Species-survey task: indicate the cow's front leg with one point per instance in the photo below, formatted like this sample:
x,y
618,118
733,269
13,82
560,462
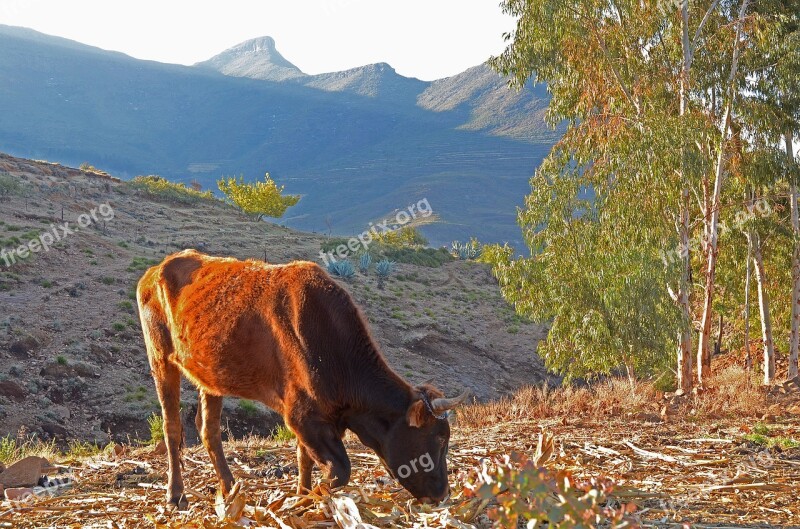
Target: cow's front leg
x,y
304,467
322,444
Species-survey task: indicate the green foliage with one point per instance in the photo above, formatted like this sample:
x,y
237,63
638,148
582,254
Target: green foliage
x,y
248,407
784,443
260,199
161,188
61,360
603,295
156,424
140,264
343,269
523,493
407,237
9,186
80,449
282,434
8,448
12,449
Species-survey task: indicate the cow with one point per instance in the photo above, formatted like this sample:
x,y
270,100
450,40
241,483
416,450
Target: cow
x,y
291,337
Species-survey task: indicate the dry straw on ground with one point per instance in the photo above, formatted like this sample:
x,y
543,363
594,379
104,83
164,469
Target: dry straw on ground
x,y
694,464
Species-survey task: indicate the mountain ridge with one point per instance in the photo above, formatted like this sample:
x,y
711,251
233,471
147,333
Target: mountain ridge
x,y
353,157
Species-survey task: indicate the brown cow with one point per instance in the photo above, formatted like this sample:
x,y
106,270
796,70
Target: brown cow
x,y
290,337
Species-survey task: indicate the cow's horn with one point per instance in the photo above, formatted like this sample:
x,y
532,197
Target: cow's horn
x,y
440,405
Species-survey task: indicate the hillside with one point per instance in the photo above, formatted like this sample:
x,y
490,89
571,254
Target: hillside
x,y
72,359
355,144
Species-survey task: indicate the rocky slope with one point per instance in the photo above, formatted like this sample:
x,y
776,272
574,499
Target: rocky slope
x,y
72,360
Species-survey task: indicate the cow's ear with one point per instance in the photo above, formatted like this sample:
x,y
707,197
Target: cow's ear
x,y
416,414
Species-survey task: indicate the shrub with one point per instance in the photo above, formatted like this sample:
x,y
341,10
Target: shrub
x,y
282,434
12,449
156,424
139,264
525,494
343,269
260,199
248,407
160,187
9,185
407,237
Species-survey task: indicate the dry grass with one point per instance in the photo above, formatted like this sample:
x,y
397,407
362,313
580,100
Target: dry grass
x,y
733,392
610,397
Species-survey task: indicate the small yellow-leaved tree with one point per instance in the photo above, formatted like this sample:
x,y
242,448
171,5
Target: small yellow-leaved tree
x,y
260,199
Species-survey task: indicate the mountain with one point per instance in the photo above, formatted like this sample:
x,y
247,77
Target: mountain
x,y
374,80
357,145
256,59
491,106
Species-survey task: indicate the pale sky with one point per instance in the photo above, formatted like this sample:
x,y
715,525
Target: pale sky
x,y
428,39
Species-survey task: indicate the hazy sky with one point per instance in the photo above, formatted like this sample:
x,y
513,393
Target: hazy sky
x,y
428,39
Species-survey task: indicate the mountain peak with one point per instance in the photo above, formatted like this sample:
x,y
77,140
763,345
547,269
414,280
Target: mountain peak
x,y
255,58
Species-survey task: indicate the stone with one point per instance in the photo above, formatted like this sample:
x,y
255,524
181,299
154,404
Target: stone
x,y
160,449
18,493
23,473
23,347
11,389
648,417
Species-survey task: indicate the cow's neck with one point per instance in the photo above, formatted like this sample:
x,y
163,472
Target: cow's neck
x,y
373,415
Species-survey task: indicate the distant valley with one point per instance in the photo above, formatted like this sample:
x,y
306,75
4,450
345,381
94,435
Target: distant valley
x,y
357,144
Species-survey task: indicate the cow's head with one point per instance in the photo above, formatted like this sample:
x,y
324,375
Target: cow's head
x,y
415,451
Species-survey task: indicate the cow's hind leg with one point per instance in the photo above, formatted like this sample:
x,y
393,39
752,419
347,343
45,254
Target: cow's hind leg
x,y
209,411
168,385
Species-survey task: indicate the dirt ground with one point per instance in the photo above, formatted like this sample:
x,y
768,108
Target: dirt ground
x,y
676,473
72,359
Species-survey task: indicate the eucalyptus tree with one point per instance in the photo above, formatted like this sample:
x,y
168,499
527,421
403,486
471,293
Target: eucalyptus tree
x,y
651,94
772,116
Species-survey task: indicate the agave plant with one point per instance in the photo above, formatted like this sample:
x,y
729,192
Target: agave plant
x,y
466,251
383,269
343,269
364,262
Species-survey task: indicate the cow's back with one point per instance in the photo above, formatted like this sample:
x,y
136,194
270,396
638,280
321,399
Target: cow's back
x,y
248,329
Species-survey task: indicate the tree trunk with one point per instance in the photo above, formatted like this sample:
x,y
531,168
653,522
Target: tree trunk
x,y
763,306
794,339
685,334
703,352
749,358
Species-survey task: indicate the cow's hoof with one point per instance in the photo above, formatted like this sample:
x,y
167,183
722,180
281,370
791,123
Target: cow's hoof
x,y
179,503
